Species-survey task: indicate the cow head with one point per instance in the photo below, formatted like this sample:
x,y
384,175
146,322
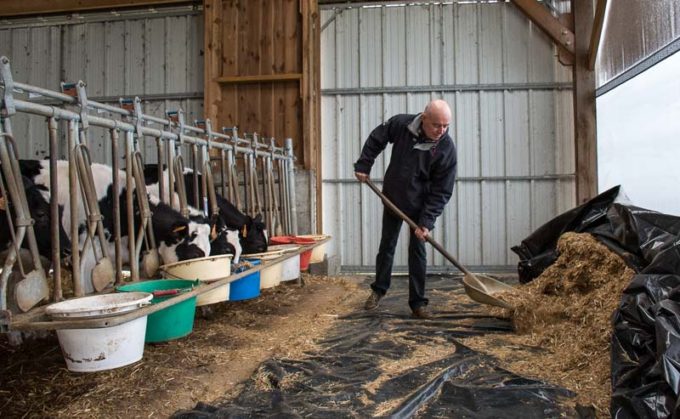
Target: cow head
x,y
224,241
178,237
253,235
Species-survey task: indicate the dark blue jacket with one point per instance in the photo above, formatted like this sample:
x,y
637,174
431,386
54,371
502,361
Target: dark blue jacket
x,y
421,174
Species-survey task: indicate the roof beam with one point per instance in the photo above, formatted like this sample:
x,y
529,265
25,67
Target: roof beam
x,y
596,34
542,17
42,7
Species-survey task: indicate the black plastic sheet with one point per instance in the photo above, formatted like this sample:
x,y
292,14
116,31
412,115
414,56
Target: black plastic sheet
x,y
646,339
332,381
638,235
646,349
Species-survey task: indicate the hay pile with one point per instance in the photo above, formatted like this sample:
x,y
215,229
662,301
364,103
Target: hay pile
x,y
565,315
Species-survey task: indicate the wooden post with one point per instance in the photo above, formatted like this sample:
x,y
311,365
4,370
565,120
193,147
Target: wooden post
x,y
213,59
310,92
585,120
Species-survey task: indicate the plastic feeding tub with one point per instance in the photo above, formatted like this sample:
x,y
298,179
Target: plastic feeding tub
x,y
99,349
247,287
207,270
319,252
304,256
290,267
172,322
270,275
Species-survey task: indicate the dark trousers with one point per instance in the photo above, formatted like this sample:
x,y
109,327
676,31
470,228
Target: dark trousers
x,y
417,263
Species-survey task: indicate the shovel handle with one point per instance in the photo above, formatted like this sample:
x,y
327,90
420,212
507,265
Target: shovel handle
x,y
414,226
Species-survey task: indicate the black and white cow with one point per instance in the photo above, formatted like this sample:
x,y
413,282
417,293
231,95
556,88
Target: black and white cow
x,y
178,238
39,209
252,232
225,240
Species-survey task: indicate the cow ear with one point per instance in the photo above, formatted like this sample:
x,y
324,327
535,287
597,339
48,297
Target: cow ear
x,y
258,218
180,229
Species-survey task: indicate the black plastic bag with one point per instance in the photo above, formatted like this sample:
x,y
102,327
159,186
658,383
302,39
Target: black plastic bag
x,y
646,349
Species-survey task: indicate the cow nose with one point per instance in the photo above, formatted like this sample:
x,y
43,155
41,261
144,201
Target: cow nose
x,y
195,253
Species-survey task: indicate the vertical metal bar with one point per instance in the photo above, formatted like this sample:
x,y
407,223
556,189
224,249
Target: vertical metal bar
x,y
170,158
194,178
291,184
159,159
78,286
134,263
116,205
55,222
223,180
282,197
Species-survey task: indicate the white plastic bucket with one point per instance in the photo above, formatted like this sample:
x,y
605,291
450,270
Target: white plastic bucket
x,y
207,269
319,252
290,268
100,349
270,275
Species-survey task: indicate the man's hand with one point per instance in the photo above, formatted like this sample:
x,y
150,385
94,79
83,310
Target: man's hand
x,y
363,177
422,233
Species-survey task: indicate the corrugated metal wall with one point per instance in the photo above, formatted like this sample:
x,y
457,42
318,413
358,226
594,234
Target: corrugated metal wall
x,y
513,123
157,55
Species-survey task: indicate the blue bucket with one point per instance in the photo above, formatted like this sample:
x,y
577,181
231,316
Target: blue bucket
x,y
247,287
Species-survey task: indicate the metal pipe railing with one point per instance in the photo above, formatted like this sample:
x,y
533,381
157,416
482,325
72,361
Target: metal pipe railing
x,y
170,135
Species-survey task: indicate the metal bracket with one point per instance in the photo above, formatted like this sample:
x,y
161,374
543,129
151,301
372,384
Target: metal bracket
x,y
82,101
8,108
139,118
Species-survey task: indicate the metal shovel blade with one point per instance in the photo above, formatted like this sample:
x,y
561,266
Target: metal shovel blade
x,y
102,274
30,291
150,263
482,288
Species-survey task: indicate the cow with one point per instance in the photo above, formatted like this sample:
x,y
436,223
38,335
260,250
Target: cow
x,y
252,232
178,238
39,209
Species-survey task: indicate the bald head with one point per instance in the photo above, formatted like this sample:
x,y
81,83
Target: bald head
x,y
436,119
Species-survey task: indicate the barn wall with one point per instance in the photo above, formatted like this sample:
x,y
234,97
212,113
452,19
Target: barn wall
x,y
155,55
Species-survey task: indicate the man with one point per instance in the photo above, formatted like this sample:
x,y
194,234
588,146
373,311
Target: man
x,y
419,181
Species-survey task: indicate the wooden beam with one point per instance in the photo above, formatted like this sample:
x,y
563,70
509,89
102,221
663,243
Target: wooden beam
x,y
585,130
41,7
260,78
542,17
311,98
212,62
596,35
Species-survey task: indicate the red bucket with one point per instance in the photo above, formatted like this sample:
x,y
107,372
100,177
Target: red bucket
x,y
304,256
281,240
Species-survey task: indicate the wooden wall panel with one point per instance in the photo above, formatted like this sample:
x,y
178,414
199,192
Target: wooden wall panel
x,y
263,72
262,38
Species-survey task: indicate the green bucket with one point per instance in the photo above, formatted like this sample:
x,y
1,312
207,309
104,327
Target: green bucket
x,y
172,322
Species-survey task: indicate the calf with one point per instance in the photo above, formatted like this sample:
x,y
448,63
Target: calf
x,y
252,233
178,238
39,208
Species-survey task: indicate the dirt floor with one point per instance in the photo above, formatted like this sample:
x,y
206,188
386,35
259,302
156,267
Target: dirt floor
x,y
215,360
210,363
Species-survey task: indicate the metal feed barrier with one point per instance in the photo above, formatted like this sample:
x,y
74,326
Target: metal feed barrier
x,y
269,192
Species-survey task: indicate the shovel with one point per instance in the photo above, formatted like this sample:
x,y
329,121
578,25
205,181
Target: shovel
x,y
480,288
